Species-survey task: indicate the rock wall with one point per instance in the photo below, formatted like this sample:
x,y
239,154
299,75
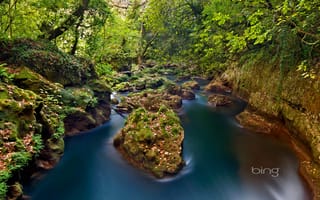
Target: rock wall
x,y
45,94
291,98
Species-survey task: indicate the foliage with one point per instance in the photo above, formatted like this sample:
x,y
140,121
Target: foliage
x,y
284,26
207,32
306,71
38,143
4,176
104,69
70,23
19,159
169,25
115,43
60,128
5,76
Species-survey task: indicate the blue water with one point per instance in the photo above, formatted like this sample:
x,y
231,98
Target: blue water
x,y
219,155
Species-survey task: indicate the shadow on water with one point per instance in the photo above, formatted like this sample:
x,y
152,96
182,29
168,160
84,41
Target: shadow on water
x,y
219,155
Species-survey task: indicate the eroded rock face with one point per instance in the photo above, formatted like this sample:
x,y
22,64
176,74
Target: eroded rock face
x,y
297,105
152,141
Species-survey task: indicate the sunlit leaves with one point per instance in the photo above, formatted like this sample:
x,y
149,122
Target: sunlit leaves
x,y
19,19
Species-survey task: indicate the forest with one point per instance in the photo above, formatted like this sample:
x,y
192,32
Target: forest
x,y
69,66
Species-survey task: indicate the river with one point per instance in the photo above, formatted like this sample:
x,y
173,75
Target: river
x,y
223,162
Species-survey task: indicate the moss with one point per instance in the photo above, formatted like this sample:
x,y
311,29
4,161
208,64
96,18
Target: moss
x,y
34,105
194,85
79,97
56,144
99,85
27,79
151,100
123,87
152,141
296,104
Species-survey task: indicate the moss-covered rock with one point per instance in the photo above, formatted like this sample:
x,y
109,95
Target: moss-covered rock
x,y
154,83
43,92
47,60
218,86
194,85
219,100
184,93
27,79
16,191
124,87
152,141
19,131
150,100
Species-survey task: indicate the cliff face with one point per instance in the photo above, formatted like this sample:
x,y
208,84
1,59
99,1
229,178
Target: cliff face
x,y
289,98
294,100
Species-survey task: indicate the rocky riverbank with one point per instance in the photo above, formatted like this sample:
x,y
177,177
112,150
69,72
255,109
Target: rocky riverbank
x,y
288,98
45,94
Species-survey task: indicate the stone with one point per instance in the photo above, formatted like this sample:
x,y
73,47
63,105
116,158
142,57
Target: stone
x,y
150,100
188,94
219,100
152,141
194,85
217,86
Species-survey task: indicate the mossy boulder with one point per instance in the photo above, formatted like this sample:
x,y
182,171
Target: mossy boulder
x,y
16,191
184,93
219,100
47,60
152,141
150,100
51,154
154,83
140,84
124,87
82,97
194,85
218,86
27,79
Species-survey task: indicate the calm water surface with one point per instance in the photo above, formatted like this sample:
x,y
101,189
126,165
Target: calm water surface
x,y
224,162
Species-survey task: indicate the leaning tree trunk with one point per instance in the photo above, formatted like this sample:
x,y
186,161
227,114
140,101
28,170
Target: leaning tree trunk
x,y
70,21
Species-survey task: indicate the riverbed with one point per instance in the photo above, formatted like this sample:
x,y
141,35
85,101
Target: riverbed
x,y
223,162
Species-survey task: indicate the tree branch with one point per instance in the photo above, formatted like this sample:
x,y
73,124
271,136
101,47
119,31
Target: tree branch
x,y
71,20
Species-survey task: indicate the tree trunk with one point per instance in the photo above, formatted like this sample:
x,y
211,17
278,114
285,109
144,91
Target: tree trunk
x,y
71,20
76,37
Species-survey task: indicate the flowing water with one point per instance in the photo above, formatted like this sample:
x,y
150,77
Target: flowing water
x,y
224,162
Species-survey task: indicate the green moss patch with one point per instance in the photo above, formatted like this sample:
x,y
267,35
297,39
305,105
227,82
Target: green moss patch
x,y
152,141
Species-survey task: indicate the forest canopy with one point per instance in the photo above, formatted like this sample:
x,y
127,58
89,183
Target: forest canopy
x,y
208,33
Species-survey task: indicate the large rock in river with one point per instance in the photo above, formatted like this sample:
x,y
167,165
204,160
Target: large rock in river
x,y
152,141
150,100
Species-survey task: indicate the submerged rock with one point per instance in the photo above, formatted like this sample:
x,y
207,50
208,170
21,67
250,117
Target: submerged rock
x,y
152,141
